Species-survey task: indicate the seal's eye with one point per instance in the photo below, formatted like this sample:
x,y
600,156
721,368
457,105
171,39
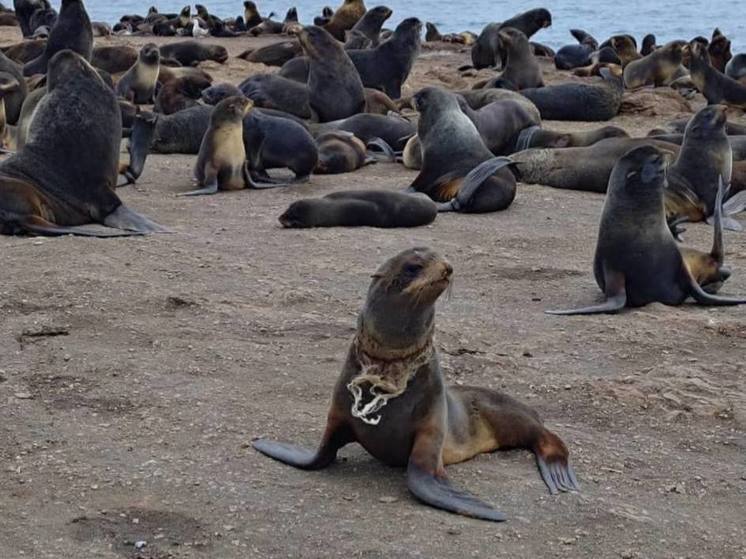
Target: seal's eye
x,y
412,270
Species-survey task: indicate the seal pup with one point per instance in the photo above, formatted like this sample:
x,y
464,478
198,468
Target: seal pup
x,y
71,31
181,93
47,188
391,398
715,86
625,48
361,208
719,50
637,260
340,152
658,68
137,85
221,163
334,87
345,17
458,170
392,129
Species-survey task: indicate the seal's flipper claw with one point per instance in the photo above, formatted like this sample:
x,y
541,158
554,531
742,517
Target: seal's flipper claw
x,y
438,493
546,475
557,475
129,220
611,305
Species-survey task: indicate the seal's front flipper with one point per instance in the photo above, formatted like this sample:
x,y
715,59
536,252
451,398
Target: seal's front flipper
x,y
129,220
211,188
336,436
616,298
438,493
380,150
39,226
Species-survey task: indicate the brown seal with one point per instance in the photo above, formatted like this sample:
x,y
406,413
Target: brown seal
x,y
715,86
48,188
179,94
221,163
361,208
719,50
458,170
392,399
637,260
340,152
658,68
625,49
345,17
137,85
114,59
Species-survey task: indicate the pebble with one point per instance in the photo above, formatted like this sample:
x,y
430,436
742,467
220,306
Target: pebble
x,y
388,499
23,395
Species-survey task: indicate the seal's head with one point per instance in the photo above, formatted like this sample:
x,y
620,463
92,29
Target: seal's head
x,y
399,310
639,177
510,37
410,28
231,110
708,122
380,13
150,55
541,17
298,215
317,42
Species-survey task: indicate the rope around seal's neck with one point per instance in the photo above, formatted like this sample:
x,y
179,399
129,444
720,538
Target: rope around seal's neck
x,y
387,378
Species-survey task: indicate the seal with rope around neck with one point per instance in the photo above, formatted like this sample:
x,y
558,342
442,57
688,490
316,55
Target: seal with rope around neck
x,y
391,398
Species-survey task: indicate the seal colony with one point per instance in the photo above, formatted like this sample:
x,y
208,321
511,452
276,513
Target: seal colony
x,y
342,99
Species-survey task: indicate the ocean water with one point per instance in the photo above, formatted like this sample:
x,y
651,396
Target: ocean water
x,y
667,19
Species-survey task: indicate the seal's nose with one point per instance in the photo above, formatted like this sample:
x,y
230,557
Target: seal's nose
x,y
725,273
447,269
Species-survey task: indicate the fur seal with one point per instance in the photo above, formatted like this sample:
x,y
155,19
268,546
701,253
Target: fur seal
x,y
487,51
625,48
394,130
221,163
537,137
251,16
275,54
345,17
181,93
71,31
648,44
705,158
578,168
137,85
521,70
273,142
340,152
598,101
391,398
458,171
26,51
361,208
114,59
719,50
637,260
500,123
13,98
736,68
715,86
47,188
366,32
658,68
191,53
569,57
8,133
334,87
275,92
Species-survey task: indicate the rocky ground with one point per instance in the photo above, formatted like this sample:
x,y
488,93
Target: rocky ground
x,y
135,372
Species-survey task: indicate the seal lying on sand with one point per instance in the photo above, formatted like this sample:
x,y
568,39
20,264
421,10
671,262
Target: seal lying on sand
x,y
65,175
391,398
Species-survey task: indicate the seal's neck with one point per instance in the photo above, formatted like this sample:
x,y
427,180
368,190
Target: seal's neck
x,y
368,345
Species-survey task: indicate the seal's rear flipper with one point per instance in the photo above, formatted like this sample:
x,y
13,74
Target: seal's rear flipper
x,y
552,460
129,220
439,493
735,204
704,298
381,150
39,226
474,179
